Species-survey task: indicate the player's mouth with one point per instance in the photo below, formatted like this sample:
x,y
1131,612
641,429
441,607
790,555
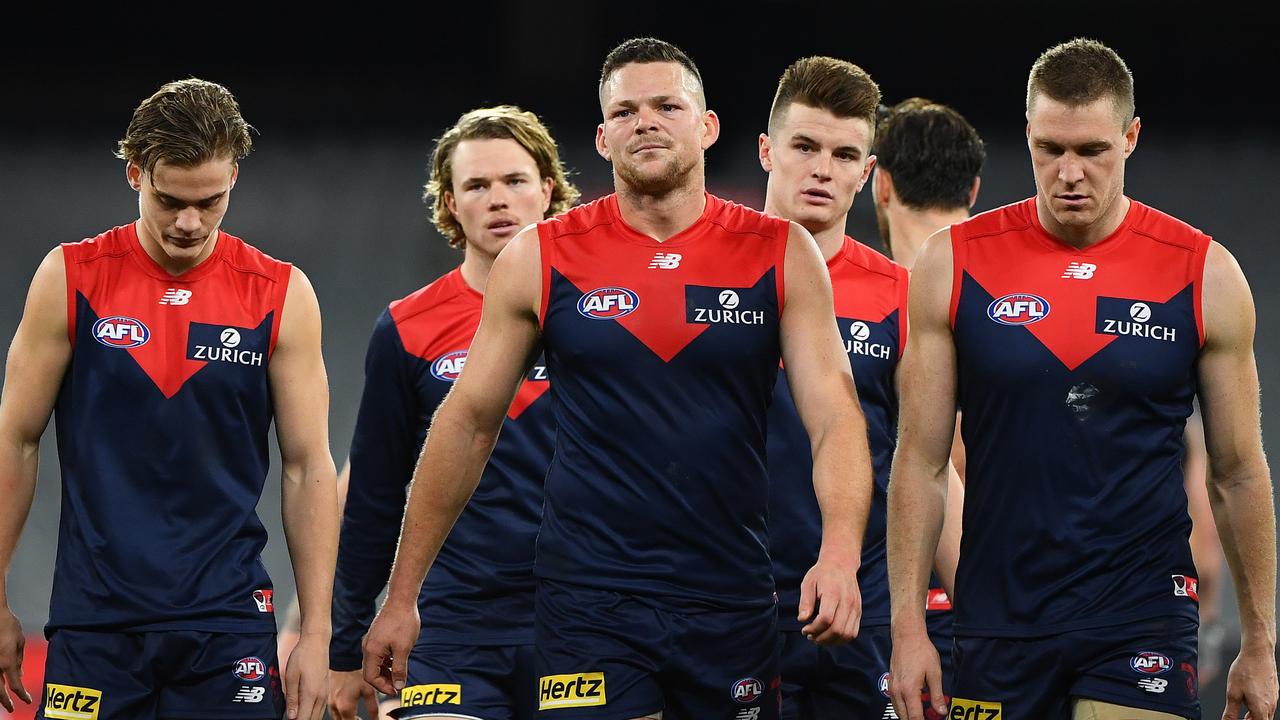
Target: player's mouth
x,y
185,242
642,147
817,196
503,227
1072,200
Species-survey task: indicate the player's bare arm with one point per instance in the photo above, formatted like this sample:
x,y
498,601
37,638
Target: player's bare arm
x,y
462,436
1240,489
827,402
300,393
918,482
38,357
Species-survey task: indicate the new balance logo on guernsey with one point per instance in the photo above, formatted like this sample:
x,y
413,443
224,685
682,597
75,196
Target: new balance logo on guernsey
x,y
175,297
68,702
572,690
249,694
1079,271
665,261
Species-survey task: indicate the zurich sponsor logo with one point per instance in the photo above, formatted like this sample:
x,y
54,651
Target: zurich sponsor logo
x,y
448,367
119,331
1151,663
608,303
1018,309
250,669
747,690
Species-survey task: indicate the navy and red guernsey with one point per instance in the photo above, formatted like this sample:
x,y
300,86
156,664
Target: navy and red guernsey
x,y
871,305
663,357
480,589
162,422
1076,375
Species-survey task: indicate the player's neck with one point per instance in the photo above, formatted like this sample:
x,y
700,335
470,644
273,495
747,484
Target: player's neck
x,y
908,229
167,263
475,268
662,216
1083,236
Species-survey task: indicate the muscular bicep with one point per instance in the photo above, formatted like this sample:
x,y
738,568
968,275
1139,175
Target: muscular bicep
x,y
38,355
927,375
506,343
817,367
1227,370
299,386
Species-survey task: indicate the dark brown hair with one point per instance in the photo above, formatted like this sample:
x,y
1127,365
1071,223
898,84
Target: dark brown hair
x,y
931,151
837,86
186,123
647,50
1080,71
495,123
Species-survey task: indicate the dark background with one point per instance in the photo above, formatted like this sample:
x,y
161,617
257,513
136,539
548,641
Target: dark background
x,y
347,103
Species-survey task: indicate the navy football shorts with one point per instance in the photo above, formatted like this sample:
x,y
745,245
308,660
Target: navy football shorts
x,y
178,675
1150,664
606,656
940,625
463,681
841,681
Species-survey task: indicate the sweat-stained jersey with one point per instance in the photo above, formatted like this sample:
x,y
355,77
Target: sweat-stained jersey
x,y
480,589
870,293
1076,374
663,357
162,422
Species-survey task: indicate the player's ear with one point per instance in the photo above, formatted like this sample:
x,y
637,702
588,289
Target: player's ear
x,y
235,173
881,187
601,148
1131,136
710,128
451,203
133,174
973,191
548,186
866,173
766,150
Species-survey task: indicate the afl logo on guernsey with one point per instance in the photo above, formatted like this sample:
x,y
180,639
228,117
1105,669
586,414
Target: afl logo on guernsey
x,y
121,332
1151,663
448,367
1018,309
608,303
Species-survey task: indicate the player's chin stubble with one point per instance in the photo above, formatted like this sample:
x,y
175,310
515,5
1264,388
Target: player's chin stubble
x,y
670,177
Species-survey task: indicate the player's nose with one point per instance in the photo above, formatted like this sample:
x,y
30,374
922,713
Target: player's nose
x,y
188,220
1070,170
822,166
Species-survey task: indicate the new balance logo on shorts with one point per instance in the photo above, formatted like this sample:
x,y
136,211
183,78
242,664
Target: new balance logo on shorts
x,y
436,694
68,702
249,694
572,690
962,709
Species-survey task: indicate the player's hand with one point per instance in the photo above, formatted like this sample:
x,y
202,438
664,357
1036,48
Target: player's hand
x,y
833,588
387,646
1251,683
346,691
914,665
11,643
306,679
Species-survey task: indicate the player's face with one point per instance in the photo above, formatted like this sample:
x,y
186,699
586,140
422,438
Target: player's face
x,y
181,208
1078,154
654,130
497,192
816,162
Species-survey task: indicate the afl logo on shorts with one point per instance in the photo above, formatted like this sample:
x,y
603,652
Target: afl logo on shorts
x,y
250,669
448,367
747,690
883,684
1151,663
608,303
121,332
1018,309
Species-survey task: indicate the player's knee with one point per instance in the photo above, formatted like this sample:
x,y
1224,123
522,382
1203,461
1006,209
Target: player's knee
x,y
1089,709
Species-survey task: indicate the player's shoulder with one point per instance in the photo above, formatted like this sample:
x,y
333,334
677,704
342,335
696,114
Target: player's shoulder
x,y
580,219
868,260
445,289
110,243
998,222
1165,228
245,258
740,219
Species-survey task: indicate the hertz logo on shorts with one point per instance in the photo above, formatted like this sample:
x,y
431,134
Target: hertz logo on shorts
x,y
67,702
575,690
437,694
962,709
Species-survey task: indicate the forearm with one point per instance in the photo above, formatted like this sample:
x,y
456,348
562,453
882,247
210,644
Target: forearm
x,y
1243,511
842,483
947,556
917,506
18,466
447,473
309,510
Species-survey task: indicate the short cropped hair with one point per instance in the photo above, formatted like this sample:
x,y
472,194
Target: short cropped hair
x,y
837,86
648,50
495,123
931,151
186,123
1080,71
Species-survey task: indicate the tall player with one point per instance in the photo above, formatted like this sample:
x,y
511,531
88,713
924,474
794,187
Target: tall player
x,y
663,312
167,348
495,172
1074,329
818,156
